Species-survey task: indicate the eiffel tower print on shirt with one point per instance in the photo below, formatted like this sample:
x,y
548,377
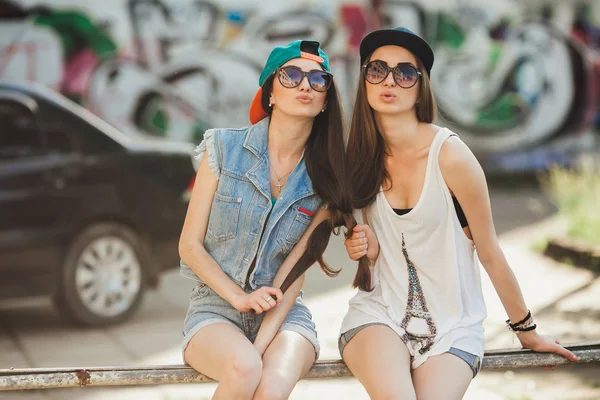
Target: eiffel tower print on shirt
x,y
416,310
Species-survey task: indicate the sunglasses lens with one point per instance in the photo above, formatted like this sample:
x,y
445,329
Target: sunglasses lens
x,y
319,81
290,77
406,76
376,71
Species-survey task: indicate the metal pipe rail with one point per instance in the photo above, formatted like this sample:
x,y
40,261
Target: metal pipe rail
x,y
46,378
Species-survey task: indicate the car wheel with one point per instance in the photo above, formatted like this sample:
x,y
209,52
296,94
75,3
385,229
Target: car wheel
x,y
103,276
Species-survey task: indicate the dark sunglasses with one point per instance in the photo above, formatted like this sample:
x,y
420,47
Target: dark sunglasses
x,y
405,75
292,76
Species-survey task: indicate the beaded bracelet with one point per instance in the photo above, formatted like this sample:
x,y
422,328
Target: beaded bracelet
x,y
525,325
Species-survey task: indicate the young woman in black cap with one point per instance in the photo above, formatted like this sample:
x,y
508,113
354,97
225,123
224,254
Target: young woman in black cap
x,y
415,328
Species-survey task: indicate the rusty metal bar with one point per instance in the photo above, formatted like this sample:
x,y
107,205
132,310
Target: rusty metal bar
x,y
46,378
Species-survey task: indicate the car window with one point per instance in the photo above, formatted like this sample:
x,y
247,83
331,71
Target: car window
x,y
67,132
57,137
19,136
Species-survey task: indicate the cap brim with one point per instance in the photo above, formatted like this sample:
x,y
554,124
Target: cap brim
x,y
257,112
384,37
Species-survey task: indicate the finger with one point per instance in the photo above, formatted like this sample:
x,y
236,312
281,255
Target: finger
x,y
361,253
357,235
359,247
272,300
256,307
360,242
358,250
352,253
558,349
264,304
360,228
353,242
271,291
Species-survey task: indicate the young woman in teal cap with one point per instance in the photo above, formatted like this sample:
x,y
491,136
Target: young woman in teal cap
x,y
415,329
260,193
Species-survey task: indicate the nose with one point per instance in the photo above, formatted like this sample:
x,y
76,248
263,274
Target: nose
x,y
304,85
389,80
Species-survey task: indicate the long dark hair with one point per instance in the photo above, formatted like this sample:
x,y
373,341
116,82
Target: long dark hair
x,y
325,160
366,148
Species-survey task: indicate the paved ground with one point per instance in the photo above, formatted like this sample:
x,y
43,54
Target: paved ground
x,y
564,300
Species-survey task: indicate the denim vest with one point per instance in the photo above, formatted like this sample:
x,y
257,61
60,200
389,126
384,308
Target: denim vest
x,y
242,204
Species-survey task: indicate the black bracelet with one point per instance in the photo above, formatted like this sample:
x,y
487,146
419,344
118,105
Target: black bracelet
x,y
520,322
530,328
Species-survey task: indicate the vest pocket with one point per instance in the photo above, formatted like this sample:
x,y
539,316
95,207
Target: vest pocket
x,y
292,230
224,216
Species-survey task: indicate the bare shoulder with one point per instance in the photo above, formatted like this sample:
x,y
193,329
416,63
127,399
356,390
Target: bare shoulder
x,y
456,157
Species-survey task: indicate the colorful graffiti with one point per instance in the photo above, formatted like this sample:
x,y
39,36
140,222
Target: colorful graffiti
x,y
586,28
510,80
517,88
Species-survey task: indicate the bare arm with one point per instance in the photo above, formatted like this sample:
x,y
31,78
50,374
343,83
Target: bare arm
x,y
193,253
465,178
274,318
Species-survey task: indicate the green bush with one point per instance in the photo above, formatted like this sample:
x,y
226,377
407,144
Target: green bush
x,y
576,193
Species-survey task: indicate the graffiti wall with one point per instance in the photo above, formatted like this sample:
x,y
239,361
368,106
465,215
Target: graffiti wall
x,y
518,81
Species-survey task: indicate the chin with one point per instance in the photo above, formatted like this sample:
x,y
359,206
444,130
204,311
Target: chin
x,y
299,113
390,109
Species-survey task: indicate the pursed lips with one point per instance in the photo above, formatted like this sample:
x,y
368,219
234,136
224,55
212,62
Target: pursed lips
x,y
304,99
387,96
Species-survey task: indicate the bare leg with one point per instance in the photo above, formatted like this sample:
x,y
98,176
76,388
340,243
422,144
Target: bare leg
x,y
287,359
222,352
381,362
442,377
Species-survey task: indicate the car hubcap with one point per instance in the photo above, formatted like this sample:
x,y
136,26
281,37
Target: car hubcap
x,y
108,276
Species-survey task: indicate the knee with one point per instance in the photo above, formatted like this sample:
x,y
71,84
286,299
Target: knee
x,y
395,394
270,392
245,370
273,387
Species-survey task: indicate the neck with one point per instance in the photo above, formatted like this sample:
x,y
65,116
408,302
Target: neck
x,y
400,131
288,136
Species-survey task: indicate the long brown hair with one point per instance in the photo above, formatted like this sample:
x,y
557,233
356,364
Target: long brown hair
x,y
325,160
366,149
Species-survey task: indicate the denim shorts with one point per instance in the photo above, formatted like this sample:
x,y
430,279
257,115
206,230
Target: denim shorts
x,y
472,360
207,307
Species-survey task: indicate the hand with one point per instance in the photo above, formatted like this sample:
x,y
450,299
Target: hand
x,y
260,300
544,344
362,242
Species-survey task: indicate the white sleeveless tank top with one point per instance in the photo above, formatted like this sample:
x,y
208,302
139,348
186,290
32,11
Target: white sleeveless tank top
x,y
427,285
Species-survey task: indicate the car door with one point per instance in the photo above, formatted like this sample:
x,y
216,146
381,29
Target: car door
x,y
27,254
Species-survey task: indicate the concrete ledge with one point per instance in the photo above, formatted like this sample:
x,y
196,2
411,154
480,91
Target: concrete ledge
x,y
573,251
46,378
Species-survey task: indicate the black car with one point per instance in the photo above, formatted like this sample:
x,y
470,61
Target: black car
x,y
88,215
